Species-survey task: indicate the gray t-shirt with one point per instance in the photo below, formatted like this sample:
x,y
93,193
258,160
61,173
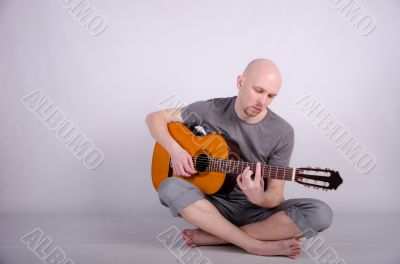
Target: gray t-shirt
x,y
269,141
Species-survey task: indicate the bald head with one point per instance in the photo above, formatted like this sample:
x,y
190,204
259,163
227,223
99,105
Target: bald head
x,y
263,68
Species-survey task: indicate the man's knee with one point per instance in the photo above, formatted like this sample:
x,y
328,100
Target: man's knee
x,y
309,214
177,194
169,189
322,216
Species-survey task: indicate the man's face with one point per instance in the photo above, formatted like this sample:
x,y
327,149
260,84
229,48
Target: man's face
x,y
256,92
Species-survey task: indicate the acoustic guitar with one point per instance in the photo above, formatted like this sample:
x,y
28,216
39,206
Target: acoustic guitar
x,y
218,163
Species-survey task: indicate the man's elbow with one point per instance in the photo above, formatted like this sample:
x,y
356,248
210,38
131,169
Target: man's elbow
x,y
150,117
147,119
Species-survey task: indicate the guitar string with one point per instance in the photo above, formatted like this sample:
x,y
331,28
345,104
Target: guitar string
x,y
274,169
216,161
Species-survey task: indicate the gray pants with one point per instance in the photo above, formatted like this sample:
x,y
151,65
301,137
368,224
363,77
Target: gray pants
x,y
310,215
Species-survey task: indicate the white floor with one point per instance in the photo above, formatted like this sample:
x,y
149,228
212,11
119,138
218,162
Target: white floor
x,y
133,239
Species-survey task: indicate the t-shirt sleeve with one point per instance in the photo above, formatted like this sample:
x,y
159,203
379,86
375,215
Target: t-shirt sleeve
x,y
283,151
196,113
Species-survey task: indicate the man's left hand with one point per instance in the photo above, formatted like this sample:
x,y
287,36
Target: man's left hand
x,y
253,189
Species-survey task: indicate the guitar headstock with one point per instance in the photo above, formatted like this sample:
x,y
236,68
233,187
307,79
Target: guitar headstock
x,y
319,178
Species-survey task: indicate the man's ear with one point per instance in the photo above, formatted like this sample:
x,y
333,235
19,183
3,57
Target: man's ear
x,y
239,81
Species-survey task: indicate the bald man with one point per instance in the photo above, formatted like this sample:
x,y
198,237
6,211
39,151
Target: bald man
x,y
254,216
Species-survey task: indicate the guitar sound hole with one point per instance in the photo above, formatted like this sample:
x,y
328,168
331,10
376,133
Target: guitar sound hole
x,y
201,162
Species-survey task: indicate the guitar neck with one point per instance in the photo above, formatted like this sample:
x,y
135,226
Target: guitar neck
x,y
237,167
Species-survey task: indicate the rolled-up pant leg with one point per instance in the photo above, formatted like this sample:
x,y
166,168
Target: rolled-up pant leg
x,y
177,194
310,215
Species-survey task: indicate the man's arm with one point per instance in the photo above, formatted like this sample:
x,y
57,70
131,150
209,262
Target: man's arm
x,y
157,123
273,196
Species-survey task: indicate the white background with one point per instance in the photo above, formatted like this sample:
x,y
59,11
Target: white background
x,y
194,50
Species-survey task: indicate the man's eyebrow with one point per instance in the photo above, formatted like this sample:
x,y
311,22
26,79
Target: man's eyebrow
x,y
259,87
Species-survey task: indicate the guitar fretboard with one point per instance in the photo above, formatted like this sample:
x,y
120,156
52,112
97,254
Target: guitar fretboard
x,y
237,167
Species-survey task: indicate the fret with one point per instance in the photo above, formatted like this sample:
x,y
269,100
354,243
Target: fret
x,y
262,170
237,166
225,166
269,172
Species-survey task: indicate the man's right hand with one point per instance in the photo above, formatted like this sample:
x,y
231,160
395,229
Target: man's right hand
x,y
182,162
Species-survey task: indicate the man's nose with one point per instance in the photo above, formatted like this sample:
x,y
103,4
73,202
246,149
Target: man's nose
x,y
263,99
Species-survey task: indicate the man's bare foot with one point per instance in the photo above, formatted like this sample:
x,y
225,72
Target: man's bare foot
x,y
198,237
288,247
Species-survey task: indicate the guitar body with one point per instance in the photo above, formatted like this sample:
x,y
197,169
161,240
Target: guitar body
x,y
212,145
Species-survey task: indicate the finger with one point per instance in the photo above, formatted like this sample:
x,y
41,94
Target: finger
x,y
182,171
247,178
239,177
239,180
191,164
245,170
186,167
257,177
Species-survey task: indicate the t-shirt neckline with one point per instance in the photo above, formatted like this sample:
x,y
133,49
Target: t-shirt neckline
x,y
244,122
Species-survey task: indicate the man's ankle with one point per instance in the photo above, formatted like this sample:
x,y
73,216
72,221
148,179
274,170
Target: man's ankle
x,y
255,247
